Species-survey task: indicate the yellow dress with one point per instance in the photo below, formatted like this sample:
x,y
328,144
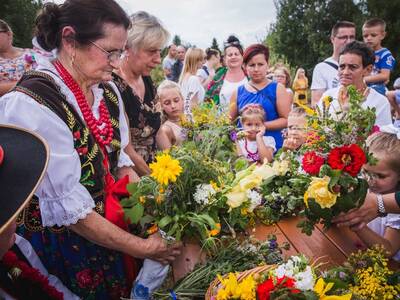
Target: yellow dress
x,y
300,87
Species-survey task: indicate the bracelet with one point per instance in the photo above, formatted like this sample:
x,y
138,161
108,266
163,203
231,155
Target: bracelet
x,y
381,207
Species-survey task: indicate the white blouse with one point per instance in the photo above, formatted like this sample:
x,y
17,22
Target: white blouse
x,y
63,200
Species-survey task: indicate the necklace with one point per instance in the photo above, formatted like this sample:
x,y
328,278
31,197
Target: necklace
x,y
28,279
251,155
101,128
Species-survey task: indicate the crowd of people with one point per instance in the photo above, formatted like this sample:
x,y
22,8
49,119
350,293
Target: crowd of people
x,y
85,88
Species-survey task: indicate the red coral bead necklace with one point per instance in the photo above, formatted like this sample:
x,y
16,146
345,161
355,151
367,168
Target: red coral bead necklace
x,y
102,128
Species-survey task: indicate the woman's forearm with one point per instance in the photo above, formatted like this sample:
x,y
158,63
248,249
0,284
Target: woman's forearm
x,y
6,86
140,165
102,232
276,124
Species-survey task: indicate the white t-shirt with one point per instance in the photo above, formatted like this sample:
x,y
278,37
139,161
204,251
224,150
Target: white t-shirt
x,y
167,64
325,76
227,90
190,87
379,225
202,73
374,99
252,153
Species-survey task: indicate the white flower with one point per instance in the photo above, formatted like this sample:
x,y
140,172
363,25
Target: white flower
x,y
255,199
203,193
305,280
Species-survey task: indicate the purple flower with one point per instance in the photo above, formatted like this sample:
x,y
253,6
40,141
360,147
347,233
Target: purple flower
x,y
233,136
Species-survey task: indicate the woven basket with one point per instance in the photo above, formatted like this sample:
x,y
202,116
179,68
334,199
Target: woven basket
x,y
215,285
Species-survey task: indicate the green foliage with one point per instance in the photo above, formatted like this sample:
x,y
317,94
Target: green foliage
x,y
177,40
214,45
157,75
301,33
20,16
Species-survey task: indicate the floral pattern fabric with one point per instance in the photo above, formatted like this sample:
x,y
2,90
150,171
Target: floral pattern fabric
x,y
143,114
12,69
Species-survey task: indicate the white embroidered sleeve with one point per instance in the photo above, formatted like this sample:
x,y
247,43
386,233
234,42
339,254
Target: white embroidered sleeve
x,y
62,199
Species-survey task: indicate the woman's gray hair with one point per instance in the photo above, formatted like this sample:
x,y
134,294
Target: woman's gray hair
x,y
146,32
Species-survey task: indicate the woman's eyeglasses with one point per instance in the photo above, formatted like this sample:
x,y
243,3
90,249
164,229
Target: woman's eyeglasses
x,y
111,55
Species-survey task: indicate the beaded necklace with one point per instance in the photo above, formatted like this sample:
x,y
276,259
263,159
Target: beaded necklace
x,y
101,128
251,155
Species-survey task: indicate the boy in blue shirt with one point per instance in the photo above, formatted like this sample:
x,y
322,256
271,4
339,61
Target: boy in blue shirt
x,y
374,31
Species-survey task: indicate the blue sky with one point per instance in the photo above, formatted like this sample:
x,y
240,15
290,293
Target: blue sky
x,y
198,21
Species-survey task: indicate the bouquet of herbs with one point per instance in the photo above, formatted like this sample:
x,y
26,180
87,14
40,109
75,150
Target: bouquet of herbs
x,y
234,256
366,275
283,193
333,155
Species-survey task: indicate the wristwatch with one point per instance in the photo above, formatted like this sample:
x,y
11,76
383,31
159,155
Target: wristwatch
x,y
381,207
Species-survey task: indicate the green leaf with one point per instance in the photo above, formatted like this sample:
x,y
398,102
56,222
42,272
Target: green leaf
x,y
164,221
135,213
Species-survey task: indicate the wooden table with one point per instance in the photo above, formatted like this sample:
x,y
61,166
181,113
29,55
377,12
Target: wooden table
x,y
330,247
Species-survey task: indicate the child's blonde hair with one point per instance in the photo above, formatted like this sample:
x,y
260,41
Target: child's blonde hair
x,y
192,58
387,145
298,111
167,85
252,110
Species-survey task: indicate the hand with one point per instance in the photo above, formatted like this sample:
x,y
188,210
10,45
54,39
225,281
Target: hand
x,y
357,218
158,249
291,143
260,133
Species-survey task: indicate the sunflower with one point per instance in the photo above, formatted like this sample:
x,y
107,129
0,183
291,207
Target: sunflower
x,y
165,169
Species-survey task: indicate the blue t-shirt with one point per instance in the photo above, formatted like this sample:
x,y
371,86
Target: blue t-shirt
x,y
383,60
267,99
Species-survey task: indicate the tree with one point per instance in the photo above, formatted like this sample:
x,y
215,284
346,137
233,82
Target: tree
x,y
214,45
301,33
177,40
20,16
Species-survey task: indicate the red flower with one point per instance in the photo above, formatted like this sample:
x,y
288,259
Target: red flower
x,y
375,128
312,163
348,158
77,135
84,278
88,278
265,289
82,150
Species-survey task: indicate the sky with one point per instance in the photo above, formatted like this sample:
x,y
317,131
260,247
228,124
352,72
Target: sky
x,y
198,21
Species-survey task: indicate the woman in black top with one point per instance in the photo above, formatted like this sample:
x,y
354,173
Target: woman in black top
x,y
145,39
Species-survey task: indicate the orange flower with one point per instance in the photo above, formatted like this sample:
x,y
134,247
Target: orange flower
x,y
215,231
152,229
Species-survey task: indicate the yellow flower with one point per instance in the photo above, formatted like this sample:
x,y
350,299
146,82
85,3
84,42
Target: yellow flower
x,y
280,167
236,197
250,182
214,185
165,169
309,111
265,171
142,199
159,198
319,191
321,289
232,289
327,101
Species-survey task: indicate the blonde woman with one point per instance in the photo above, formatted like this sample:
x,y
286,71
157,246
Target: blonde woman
x,y
146,38
300,86
191,87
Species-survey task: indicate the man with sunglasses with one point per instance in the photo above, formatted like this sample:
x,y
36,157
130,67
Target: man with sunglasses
x,y
325,74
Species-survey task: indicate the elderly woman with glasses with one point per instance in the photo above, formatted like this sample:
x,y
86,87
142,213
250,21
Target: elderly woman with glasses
x,y
229,78
146,37
75,222
13,61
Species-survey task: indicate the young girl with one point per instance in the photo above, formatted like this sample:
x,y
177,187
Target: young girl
x,y
192,90
384,178
171,100
255,147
